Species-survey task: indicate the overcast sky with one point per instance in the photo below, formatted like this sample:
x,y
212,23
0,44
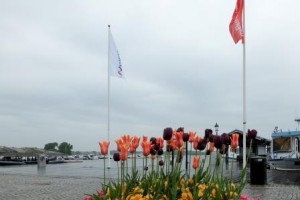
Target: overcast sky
x,y
181,65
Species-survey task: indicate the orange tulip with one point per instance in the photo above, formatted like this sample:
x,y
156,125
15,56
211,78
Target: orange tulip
x,y
145,138
195,142
192,135
179,139
104,147
119,143
146,148
211,146
134,144
160,141
196,162
234,141
123,152
171,144
126,139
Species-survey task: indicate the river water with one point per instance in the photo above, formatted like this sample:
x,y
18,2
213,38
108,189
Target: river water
x,y
95,168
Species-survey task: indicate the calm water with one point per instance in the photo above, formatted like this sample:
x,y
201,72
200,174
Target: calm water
x,y
91,168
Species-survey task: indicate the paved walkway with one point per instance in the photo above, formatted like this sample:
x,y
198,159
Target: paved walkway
x,y
29,187
281,186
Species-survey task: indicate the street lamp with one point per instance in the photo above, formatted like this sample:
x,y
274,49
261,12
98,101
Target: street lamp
x,y
216,128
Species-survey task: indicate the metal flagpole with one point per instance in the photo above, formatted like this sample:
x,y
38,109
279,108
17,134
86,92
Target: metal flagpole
x,y
108,97
244,89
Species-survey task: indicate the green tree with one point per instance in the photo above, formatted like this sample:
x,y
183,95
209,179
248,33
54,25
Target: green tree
x,y
51,146
65,147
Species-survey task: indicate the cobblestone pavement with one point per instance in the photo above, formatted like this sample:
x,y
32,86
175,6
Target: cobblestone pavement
x,y
29,187
273,191
280,186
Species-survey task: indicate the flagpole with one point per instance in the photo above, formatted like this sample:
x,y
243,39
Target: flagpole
x,y
244,90
108,97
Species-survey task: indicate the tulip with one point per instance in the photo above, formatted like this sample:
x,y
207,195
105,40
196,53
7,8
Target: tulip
x,y
101,193
119,143
126,139
201,144
168,133
211,146
123,152
153,140
116,157
225,139
153,151
192,135
179,139
145,138
252,134
180,129
134,144
146,147
208,132
160,152
195,142
217,141
160,142
196,162
185,137
234,140
104,147
161,163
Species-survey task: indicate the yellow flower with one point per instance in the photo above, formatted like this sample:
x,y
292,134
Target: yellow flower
x,y
166,184
123,188
182,182
213,193
202,188
232,185
189,193
138,190
191,181
184,196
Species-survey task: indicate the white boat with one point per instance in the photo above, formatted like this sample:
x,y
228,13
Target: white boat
x,y
285,151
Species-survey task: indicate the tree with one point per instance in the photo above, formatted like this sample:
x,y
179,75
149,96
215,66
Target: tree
x,y
65,148
51,146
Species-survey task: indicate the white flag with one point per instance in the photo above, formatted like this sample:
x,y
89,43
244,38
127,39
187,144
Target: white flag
x,y
115,65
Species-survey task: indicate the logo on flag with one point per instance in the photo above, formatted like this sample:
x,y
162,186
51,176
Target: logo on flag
x,y
115,65
236,25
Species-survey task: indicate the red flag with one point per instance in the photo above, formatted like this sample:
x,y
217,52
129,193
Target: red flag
x,y
236,25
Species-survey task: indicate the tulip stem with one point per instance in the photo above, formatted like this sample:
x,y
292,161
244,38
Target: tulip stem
x,y
104,170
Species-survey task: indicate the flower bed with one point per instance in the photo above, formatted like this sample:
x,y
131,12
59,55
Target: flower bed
x,y
166,179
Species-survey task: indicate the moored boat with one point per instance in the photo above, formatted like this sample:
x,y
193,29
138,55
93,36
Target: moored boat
x,y
285,151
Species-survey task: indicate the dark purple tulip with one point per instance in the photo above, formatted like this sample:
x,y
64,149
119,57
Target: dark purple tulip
x,y
217,142
225,139
160,152
152,151
185,137
201,145
161,163
168,133
180,129
211,138
146,168
208,132
208,152
116,157
156,147
153,140
252,134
